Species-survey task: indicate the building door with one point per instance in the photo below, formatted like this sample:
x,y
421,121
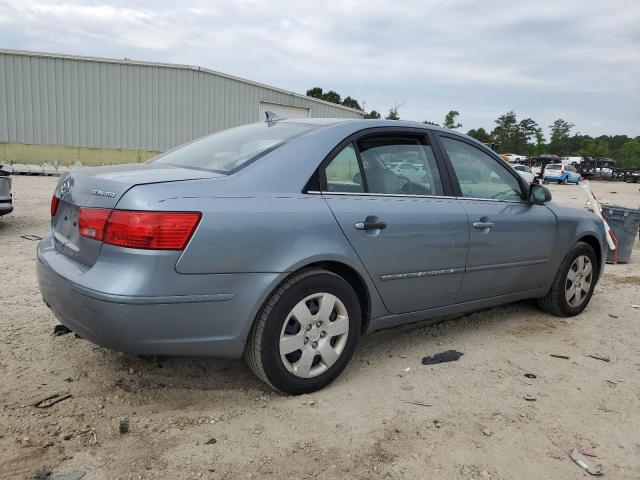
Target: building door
x,y
285,111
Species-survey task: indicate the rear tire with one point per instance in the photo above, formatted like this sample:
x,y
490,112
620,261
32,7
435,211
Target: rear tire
x,y
573,284
306,333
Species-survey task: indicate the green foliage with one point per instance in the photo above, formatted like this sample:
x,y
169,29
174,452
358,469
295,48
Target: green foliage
x,y
351,103
372,115
331,96
450,120
315,92
480,134
629,154
427,122
393,114
560,142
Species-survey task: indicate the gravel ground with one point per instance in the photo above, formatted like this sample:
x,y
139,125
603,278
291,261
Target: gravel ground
x,y
479,417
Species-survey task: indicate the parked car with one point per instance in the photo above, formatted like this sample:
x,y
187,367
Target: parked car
x,y
412,172
284,241
573,160
525,172
6,200
513,157
597,167
561,173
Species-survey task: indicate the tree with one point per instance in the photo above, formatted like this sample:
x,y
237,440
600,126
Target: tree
x,y
540,147
427,122
315,92
351,103
559,143
629,154
450,120
526,131
372,115
480,134
393,114
331,96
505,131
393,111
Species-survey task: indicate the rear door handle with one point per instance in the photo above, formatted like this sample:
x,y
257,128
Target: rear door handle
x,y
370,225
482,225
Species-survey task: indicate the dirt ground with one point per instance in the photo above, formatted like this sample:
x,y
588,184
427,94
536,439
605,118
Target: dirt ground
x,y
477,418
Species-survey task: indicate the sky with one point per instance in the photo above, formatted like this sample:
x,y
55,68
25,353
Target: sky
x,y
573,59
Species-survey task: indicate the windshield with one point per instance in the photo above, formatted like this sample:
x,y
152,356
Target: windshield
x,y
554,167
229,150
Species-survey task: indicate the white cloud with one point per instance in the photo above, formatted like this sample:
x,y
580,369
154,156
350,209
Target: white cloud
x,y
576,59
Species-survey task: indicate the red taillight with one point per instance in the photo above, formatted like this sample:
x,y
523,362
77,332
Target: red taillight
x,y
92,221
139,229
54,205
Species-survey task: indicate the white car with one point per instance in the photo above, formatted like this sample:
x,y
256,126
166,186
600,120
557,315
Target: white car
x,y
513,157
572,160
525,172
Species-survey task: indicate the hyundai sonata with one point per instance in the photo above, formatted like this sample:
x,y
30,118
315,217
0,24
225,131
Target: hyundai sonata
x,y
286,241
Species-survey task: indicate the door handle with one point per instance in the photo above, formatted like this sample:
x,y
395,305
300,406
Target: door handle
x,y
370,225
482,225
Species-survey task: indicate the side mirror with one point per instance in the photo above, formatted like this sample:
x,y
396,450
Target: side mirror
x,y
538,194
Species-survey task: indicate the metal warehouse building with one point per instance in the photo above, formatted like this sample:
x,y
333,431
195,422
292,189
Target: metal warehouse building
x,y
62,108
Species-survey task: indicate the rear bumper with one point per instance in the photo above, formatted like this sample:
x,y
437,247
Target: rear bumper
x,y
208,324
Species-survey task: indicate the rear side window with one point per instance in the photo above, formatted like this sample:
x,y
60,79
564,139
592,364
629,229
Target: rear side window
x,y
230,150
479,174
343,172
554,167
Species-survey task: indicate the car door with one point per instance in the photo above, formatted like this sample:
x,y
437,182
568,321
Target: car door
x,y
510,239
411,236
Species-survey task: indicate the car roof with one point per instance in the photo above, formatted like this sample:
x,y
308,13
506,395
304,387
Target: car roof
x,y
369,123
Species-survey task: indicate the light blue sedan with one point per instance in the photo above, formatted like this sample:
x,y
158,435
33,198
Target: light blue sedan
x,y
285,241
561,173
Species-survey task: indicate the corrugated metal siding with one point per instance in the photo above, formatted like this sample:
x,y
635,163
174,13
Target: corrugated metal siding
x,y
104,104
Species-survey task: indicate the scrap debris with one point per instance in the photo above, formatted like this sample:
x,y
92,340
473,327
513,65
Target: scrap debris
x,y
124,426
33,238
564,357
530,375
421,404
598,357
51,400
582,461
442,357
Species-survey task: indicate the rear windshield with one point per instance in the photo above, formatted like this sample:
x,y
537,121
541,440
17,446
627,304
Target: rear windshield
x,y
229,150
554,167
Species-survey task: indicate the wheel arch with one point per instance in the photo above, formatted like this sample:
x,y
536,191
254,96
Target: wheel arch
x,y
353,278
594,243
348,272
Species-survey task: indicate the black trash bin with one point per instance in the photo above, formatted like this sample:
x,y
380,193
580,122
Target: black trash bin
x,y
624,224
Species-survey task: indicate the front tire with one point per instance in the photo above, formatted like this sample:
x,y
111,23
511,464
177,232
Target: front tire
x,y
573,284
306,333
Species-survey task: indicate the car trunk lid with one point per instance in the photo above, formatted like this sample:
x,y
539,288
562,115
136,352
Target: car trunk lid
x,y
102,187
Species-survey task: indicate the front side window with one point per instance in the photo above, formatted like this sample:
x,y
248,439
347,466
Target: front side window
x,y
229,150
400,165
479,174
343,172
